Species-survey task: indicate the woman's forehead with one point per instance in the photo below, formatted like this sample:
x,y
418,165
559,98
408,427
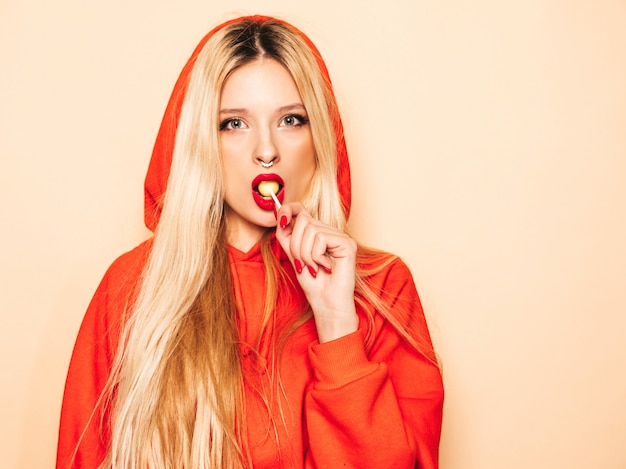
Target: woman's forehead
x,y
259,84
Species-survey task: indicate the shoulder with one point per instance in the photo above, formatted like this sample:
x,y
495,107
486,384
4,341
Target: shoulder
x,y
119,286
396,309
105,317
122,278
130,265
384,272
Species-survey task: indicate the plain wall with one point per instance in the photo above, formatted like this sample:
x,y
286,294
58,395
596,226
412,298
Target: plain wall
x,y
488,149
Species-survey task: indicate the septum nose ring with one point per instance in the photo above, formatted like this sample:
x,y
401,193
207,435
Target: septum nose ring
x,y
267,165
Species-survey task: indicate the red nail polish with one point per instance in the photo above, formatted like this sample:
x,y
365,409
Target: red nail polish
x,y
312,271
298,265
327,269
283,221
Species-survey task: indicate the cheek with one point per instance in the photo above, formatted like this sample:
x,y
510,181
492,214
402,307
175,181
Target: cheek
x,y
233,178
310,164
232,159
234,146
229,152
306,154
303,170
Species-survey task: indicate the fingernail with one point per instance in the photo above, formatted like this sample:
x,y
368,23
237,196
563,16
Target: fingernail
x,y
312,271
298,265
283,222
328,270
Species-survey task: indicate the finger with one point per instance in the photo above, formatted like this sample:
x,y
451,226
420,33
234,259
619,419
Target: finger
x,y
322,243
284,233
297,237
288,212
302,242
307,241
304,229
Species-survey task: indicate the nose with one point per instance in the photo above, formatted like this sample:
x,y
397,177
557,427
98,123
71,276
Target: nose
x,y
266,151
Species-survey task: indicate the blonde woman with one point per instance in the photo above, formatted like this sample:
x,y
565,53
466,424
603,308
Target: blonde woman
x,y
252,332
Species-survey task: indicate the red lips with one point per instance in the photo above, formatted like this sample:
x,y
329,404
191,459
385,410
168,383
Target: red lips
x,y
266,203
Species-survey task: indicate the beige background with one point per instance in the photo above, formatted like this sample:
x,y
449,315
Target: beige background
x,y
488,147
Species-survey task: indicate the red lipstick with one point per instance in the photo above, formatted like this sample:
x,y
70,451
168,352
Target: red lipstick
x,y
266,203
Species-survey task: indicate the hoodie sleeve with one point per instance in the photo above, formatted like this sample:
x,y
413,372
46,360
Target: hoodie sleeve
x,y
84,430
383,407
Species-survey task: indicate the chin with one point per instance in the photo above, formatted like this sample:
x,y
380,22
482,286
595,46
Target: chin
x,y
265,219
271,223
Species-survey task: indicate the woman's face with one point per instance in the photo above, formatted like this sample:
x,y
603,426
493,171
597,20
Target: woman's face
x,y
264,136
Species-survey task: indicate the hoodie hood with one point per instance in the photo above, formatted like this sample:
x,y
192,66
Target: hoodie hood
x,y
159,167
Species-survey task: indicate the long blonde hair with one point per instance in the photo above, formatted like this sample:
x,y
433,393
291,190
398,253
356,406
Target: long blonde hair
x,y
176,390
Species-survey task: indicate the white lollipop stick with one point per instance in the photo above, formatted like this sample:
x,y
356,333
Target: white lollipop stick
x,y
275,200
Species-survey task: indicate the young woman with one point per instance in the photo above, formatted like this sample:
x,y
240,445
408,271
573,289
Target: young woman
x,y
249,333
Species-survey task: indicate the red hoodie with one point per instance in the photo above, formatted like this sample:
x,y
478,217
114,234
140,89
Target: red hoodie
x,y
351,402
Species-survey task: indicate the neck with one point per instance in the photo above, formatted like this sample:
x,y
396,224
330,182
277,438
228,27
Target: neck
x,y
243,236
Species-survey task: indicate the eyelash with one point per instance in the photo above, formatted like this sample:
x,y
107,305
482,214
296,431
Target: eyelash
x,y
301,120
226,122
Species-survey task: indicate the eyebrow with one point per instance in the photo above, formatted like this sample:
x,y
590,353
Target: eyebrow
x,y
289,107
